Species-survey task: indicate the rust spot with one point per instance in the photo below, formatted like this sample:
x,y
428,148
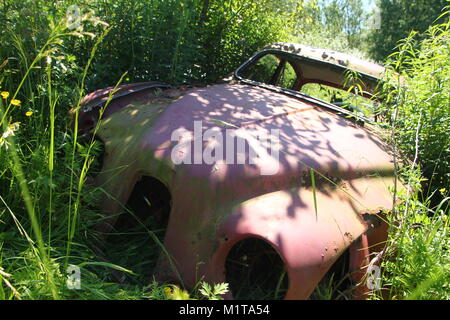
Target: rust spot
x,y
349,235
372,219
343,185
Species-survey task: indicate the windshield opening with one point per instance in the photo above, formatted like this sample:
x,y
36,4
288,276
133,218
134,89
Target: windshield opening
x,y
344,88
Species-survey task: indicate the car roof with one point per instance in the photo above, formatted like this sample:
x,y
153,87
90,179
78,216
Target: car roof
x,y
328,56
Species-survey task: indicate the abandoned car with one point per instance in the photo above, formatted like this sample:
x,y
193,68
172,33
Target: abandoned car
x,y
253,172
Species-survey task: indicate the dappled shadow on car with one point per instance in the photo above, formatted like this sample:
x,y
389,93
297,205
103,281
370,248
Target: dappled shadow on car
x,y
308,153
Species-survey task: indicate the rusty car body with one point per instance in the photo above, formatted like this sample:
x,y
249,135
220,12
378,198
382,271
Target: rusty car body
x,y
323,199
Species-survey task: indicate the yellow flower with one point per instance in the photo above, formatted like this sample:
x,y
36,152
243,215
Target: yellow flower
x,y
28,113
167,291
175,293
442,191
5,94
15,102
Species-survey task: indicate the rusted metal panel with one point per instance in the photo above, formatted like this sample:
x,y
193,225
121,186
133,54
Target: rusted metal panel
x,y
332,57
215,205
112,99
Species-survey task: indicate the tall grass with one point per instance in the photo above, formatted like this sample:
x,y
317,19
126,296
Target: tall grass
x,y
416,261
38,158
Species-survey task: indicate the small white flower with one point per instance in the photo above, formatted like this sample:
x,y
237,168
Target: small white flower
x,y
8,133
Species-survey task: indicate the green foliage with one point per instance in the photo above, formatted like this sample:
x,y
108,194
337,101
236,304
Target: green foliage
x,y
202,290
333,24
345,17
42,156
176,293
398,19
236,29
417,264
168,41
422,102
417,105
183,41
213,292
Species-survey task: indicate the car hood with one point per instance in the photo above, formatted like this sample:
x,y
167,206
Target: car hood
x,y
298,137
311,195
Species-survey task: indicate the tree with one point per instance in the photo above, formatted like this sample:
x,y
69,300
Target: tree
x,y
345,16
334,24
398,19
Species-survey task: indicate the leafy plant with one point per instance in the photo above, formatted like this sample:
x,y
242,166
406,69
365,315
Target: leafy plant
x,y
421,102
398,18
203,290
213,292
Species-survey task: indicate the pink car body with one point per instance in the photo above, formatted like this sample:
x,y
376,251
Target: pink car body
x,y
325,194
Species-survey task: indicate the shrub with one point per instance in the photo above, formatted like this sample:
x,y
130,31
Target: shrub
x,y
422,102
